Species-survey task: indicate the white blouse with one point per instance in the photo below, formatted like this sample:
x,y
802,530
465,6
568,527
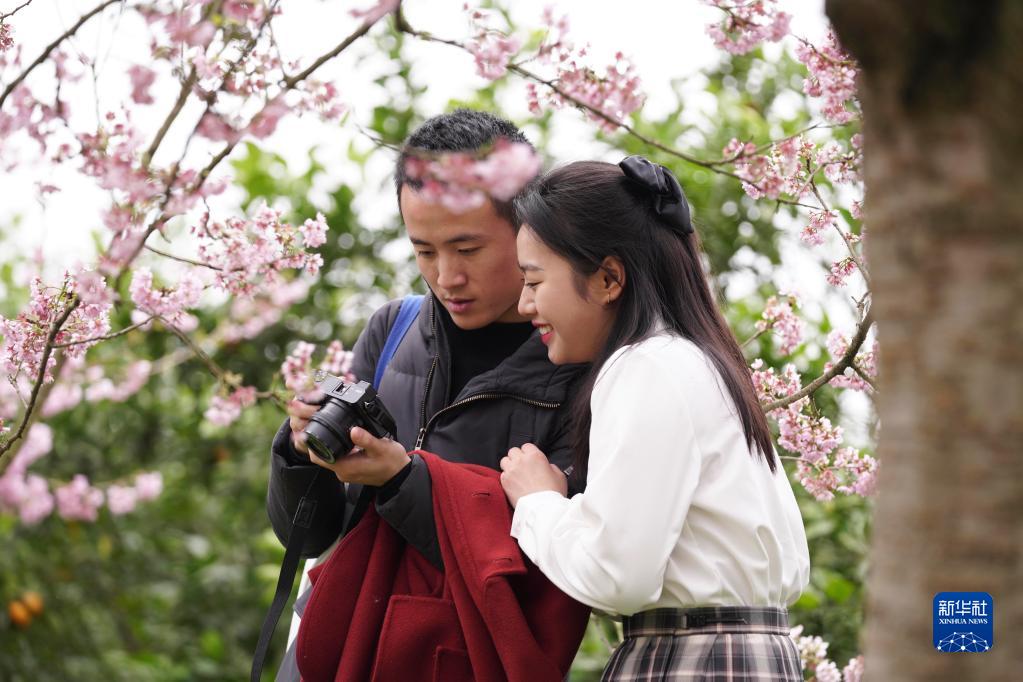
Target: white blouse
x,y
676,512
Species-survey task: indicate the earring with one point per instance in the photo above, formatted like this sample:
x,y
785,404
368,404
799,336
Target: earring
x,y
609,298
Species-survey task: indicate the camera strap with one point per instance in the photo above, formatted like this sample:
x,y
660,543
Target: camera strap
x,y
407,314
292,554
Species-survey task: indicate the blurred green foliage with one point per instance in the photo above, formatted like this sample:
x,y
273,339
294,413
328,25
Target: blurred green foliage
x,y
177,590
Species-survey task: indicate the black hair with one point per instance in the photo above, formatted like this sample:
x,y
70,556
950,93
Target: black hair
x,y
463,130
589,210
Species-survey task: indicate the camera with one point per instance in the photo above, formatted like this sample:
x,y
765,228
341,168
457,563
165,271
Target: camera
x,y
345,405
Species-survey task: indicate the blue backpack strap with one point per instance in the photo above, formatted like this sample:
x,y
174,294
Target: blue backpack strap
x,y
407,314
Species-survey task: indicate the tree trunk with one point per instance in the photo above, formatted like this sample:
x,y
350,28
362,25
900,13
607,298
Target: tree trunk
x,y
942,96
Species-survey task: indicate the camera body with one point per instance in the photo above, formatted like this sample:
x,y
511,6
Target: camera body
x,y
345,405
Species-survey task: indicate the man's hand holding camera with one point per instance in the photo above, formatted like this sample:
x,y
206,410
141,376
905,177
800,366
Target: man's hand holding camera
x,y
325,431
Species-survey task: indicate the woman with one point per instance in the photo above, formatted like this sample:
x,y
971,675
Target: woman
x,y
688,527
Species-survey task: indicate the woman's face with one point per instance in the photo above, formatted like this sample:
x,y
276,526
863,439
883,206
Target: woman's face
x,y
574,327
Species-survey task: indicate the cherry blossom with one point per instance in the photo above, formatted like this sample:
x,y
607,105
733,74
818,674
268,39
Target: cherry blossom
x,y
6,37
168,303
223,411
747,24
813,654
813,233
26,337
248,317
373,14
142,78
462,181
840,270
78,500
247,254
866,361
832,76
491,49
787,327
611,94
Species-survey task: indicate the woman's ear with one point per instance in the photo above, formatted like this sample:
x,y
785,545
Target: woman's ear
x,y
608,282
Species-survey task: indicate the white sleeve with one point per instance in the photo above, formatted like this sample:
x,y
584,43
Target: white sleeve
x,y
609,546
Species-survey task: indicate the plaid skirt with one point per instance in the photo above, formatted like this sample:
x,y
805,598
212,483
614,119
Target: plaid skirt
x,y
713,644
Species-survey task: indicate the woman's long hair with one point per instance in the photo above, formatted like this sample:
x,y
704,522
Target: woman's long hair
x,y
589,210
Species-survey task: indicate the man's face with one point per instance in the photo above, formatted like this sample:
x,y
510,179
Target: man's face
x,y
468,259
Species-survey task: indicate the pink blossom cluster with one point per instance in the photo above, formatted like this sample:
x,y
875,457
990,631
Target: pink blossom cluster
x,y
820,469
142,78
25,337
771,175
300,375
850,472
247,317
839,164
320,98
813,233
461,181
78,382
376,12
747,24
24,112
866,360
779,317
491,49
136,375
79,500
840,271
250,254
860,470
29,496
181,25
170,303
813,655
613,93
6,36
297,369
123,499
245,12
113,156
833,74
225,410
312,96
337,360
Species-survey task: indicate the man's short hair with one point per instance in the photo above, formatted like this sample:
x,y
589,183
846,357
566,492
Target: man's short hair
x,y
463,130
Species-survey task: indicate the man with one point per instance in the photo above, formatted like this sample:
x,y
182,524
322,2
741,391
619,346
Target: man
x,y
470,379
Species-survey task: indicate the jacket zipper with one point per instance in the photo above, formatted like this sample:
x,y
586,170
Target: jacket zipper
x,y
473,398
429,378
479,396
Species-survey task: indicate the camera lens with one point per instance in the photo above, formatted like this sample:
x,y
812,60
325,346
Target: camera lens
x,y
327,432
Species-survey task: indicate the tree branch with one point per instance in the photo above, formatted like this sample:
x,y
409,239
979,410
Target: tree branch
x,y
714,166
108,336
16,10
838,368
5,448
52,46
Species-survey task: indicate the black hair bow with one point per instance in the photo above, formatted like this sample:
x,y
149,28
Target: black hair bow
x,y
669,200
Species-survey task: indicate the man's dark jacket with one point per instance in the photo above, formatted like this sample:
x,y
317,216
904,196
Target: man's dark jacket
x,y
521,400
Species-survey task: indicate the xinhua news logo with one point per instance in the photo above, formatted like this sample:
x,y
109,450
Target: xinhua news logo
x,y
964,622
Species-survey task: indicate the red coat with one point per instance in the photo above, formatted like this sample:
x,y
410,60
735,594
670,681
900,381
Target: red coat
x,y
380,611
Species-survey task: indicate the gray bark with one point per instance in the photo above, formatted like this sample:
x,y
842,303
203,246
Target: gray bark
x,y
942,96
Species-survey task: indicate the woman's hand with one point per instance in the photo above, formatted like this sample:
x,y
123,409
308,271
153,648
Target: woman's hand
x,y
526,470
373,461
